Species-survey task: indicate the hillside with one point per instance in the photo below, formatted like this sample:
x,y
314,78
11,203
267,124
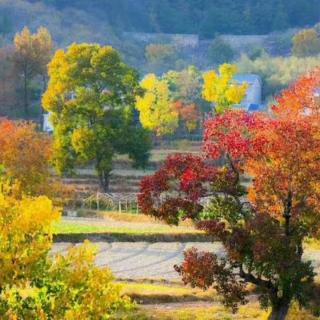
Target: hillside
x,y
99,20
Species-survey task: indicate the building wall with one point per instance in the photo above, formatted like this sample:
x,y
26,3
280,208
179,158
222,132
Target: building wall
x,y
254,93
46,124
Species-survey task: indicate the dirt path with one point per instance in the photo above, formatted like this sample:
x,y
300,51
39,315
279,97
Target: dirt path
x,y
143,260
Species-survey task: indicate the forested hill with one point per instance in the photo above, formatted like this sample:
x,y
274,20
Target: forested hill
x,y
204,17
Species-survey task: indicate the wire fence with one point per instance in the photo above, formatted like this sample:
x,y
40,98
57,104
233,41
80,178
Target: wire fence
x,y
121,202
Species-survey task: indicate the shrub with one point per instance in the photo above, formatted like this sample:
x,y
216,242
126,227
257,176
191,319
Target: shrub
x,y
221,52
34,285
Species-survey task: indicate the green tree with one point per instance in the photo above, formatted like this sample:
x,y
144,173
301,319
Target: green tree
x,y
160,56
277,72
91,97
306,43
220,52
280,18
8,83
32,54
5,23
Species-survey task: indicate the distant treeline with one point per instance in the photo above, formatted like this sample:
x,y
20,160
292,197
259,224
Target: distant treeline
x,y
203,17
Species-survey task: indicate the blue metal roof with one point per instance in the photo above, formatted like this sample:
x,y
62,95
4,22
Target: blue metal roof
x,y
255,107
250,77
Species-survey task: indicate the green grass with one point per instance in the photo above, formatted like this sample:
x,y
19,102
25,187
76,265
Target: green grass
x,y
72,231
67,227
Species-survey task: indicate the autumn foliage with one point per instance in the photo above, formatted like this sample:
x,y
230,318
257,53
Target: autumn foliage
x,y
221,89
155,108
188,113
36,285
302,97
262,223
33,283
25,155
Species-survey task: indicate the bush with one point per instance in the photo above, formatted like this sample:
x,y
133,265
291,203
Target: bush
x,y
220,52
34,285
277,72
160,57
306,43
72,288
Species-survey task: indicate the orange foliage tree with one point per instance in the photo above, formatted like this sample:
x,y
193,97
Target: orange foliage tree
x,y
262,226
188,113
25,154
301,98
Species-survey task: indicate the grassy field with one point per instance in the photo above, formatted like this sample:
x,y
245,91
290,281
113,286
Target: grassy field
x,y
115,222
251,311
169,301
124,227
153,293
164,301
65,226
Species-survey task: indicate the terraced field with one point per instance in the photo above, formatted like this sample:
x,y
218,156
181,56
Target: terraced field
x,y
145,260
147,273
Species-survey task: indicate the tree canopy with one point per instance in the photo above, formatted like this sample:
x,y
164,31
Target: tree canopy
x,y
221,89
306,43
263,224
31,55
156,111
204,17
91,97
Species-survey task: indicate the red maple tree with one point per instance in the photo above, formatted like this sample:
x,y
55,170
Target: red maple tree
x,y
263,201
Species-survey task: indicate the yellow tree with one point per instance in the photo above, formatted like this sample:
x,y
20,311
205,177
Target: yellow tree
x,y
156,110
31,56
221,89
26,234
34,285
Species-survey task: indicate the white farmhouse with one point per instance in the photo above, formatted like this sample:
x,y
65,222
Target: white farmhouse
x,y
253,99
46,124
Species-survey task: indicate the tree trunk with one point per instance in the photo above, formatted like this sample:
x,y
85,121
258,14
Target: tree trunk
x,y
104,178
44,87
25,94
279,313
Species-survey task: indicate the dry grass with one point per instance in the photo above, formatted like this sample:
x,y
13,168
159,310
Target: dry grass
x,y
180,308
249,312
152,293
139,218
312,244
